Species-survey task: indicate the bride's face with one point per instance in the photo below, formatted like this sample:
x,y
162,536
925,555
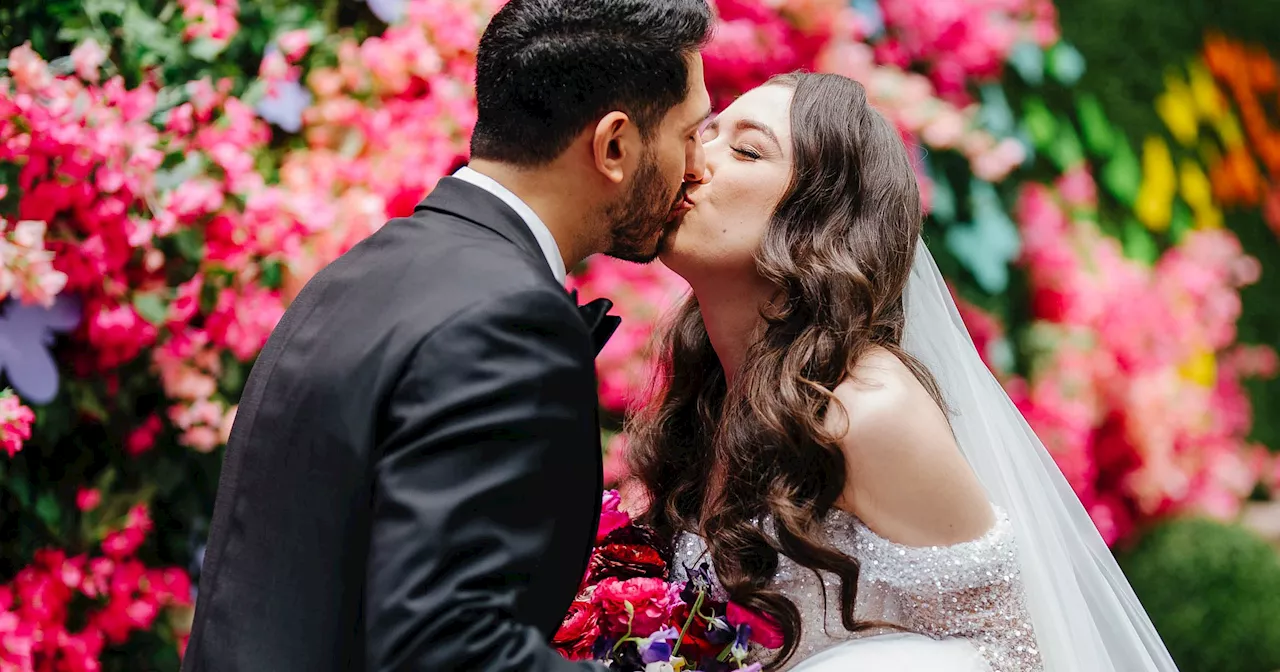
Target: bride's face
x,y
748,150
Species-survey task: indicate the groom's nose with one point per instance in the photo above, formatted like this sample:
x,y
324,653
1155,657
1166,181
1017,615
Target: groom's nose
x,y
696,164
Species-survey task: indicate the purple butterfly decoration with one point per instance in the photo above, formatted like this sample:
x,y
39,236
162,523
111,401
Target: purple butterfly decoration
x,y
26,334
389,11
283,106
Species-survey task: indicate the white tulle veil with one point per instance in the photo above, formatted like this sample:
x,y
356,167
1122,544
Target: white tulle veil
x,y
1087,618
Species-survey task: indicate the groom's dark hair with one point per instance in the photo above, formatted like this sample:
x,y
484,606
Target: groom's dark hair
x,y
547,68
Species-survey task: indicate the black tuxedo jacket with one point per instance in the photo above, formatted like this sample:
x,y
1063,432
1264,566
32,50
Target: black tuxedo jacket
x,y
413,477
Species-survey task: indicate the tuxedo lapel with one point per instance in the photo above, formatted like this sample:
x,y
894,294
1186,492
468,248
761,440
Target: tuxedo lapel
x,y
477,206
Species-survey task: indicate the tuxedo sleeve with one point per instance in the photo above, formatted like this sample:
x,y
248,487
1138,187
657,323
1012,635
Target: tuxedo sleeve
x,y
482,462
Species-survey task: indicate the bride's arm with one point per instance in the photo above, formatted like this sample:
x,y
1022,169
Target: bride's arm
x,y
906,478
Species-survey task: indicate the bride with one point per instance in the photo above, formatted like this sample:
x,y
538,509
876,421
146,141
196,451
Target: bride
x,y
828,440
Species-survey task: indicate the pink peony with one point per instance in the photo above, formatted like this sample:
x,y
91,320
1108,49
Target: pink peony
x,y
650,600
611,518
15,423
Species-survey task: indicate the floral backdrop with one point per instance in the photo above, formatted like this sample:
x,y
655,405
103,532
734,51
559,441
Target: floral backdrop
x,y
173,171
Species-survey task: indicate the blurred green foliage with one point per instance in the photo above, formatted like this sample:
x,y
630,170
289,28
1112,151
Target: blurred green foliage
x,y
1213,592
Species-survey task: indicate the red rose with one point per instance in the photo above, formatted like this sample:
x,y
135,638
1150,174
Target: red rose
x,y
578,632
764,630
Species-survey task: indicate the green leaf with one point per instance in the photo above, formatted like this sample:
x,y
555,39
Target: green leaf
x,y
1065,150
151,307
1182,222
85,400
191,166
1122,175
272,273
1066,63
150,40
254,93
1138,243
943,207
1039,122
168,98
233,375
995,113
55,421
1099,136
168,475
1028,60
20,488
206,49
96,8
987,246
190,244
48,510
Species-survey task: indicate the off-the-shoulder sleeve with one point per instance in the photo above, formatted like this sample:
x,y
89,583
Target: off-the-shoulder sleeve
x,y
972,590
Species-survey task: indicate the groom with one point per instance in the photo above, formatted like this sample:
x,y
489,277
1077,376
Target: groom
x,y
413,478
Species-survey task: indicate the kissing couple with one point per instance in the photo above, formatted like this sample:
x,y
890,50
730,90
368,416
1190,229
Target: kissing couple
x,y
413,480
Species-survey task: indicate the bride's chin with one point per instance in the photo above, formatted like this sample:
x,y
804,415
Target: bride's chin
x,y
675,253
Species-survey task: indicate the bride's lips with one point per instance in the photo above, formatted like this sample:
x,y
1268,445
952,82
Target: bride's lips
x,y
682,206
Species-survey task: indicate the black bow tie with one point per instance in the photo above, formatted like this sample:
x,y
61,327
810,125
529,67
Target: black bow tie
x,y
599,321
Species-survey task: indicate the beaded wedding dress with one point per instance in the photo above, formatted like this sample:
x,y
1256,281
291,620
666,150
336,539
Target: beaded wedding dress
x,y
1039,591
963,606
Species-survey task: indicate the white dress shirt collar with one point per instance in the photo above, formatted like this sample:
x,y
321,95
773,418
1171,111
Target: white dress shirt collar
x,y
546,241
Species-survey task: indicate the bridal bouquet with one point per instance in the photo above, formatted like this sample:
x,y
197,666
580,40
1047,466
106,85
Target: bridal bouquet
x,y
630,617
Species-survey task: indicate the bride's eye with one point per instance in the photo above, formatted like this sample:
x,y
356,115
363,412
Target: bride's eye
x,y
747,153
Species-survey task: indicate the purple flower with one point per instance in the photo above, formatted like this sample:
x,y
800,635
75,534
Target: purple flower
x,y
283,105
657,647
653,652
719,632
389,11
26,332
741,642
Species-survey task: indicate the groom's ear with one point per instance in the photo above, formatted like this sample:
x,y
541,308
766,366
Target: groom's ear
x,y
615,145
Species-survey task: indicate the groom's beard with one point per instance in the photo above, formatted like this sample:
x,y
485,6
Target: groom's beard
x,y
639,220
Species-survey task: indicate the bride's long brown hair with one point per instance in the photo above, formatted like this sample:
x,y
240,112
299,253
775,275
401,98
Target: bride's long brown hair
x,y
838,251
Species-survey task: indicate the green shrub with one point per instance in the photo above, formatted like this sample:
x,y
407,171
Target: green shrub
x,y
1213,592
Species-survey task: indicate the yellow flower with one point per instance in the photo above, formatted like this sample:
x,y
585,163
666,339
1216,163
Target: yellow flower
x,y
1228,128
1196,190
1209,217
1177,107
1154,206
1201,368
1210,102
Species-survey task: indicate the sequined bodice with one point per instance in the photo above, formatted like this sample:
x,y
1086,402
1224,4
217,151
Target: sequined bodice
x,y
971,590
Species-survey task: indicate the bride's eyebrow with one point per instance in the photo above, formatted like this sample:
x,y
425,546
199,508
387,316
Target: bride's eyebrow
x,y
752,124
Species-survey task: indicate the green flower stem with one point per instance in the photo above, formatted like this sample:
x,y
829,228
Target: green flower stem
x,y
688,621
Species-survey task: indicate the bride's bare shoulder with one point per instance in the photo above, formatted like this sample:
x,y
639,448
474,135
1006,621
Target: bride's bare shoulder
x,y
906,477
879,395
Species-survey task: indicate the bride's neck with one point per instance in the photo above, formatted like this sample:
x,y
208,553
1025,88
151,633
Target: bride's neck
x,y
732,318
